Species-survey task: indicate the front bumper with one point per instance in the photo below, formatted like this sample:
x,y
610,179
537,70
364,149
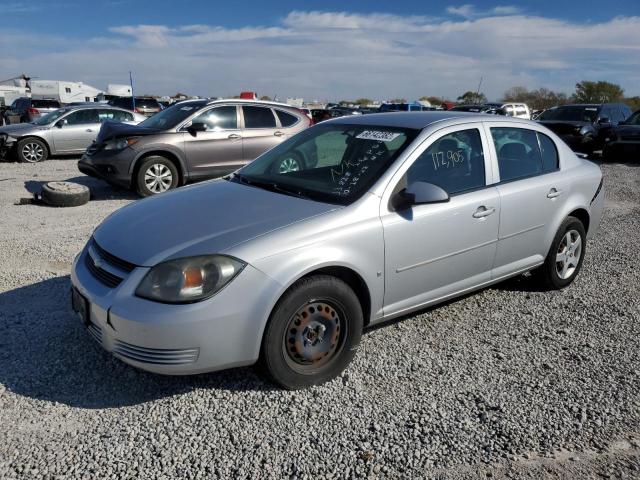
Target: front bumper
x,y
112,166
222,332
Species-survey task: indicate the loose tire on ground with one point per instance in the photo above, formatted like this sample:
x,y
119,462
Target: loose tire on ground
x,y
157,174
65,194
567,249
32,150
313,333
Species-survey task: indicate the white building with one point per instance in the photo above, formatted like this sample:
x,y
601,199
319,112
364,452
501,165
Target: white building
x,y
295,102
65,92
119,90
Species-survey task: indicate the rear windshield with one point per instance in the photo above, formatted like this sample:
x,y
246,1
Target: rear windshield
x,y
45,103
571,113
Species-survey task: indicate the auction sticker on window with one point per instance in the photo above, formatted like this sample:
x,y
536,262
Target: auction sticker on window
x,y
378,135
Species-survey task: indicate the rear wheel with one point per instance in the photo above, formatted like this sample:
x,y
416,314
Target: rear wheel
x,y
313,333
156,175
32,150
565,256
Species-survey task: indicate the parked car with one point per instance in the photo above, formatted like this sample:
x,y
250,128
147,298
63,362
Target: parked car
x,y
64,131
29,109
390,213
518,110
624,143
403,107
191,140
143,105
483,108
584,127
320,115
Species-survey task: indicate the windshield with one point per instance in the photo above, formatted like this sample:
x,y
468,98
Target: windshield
x,y
333,163
172,116
50,117
573,113
633,119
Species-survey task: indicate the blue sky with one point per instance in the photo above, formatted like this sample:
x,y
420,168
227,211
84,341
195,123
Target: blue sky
x,y
325,50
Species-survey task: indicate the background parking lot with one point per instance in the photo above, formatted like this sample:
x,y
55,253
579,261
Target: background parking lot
x,y
509,382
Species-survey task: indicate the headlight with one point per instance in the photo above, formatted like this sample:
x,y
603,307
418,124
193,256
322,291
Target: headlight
x,y
584,130
120,143
190,279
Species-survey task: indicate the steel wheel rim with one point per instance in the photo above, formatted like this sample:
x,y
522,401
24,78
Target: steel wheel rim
x,y
32,152
158,178
568,254
314,335
289,164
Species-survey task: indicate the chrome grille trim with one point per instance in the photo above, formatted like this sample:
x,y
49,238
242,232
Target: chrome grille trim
x,y
118,263
156,355
105,277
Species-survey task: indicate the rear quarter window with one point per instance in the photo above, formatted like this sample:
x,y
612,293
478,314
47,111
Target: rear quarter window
x,y
286,119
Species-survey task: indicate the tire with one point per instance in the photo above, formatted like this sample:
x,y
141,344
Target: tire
x,y
65,194
156,175
32,150
313,333
555,274
292,162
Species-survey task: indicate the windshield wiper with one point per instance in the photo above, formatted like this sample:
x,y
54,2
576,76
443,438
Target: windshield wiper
x,y
271,186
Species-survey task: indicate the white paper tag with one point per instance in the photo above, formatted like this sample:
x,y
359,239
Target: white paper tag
x,y
378,135
186,109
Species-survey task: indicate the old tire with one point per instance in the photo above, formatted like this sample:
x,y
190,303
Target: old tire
x,y
564,260
65,194
157,174
32,150
313,333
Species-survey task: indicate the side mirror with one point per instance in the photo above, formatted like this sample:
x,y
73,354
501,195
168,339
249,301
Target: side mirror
x,y
603,120
197,127
419,193
61,123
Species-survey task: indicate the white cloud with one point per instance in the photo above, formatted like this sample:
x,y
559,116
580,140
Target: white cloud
x,y
341,55
469,10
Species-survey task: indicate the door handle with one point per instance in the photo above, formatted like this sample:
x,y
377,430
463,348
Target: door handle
x,y
89,130
483,211
554,192
234,136
279,134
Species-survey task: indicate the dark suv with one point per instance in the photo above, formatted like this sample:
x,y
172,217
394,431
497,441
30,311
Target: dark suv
x,y
29,109
584,127
192,140
144,105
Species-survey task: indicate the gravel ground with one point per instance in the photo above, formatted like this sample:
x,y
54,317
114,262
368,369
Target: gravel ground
x,y
510,382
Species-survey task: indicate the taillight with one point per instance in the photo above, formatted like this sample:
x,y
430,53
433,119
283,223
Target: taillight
x,y
137,110
33,110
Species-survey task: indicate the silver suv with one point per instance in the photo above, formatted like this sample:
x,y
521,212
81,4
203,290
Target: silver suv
x,y
190,141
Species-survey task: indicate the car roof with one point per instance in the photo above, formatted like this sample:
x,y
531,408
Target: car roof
x,y
416,120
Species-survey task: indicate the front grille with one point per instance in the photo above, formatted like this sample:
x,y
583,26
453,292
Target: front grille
x,y
112,259
156,355
108,278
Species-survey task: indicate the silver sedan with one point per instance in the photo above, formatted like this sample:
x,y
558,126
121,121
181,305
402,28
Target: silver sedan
x,y
390,214
64,131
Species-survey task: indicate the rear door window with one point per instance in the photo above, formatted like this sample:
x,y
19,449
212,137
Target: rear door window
x,y
454,162
519,153
115,115
258,117
286,119
82,117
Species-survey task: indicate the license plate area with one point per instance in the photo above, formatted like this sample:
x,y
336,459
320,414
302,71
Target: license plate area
x,y
80,305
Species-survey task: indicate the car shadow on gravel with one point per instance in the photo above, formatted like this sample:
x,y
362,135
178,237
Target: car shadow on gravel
x,y
46,354
99,189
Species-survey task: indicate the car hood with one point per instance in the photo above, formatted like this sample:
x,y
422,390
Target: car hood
x,y
111,129
563,126
20,129
202,219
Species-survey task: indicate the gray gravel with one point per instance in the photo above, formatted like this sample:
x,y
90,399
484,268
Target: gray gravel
x,y
510,382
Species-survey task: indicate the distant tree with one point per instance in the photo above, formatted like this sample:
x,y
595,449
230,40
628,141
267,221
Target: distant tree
x,y
266,98
597,92
633,102
432,100
363,101
539,99
472,98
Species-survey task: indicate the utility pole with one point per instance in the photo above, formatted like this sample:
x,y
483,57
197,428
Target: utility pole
x,y
133,98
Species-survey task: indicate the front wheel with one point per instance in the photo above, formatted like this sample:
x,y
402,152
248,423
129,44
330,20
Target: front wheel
x,y
32,150
565,256
313,332
156,175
